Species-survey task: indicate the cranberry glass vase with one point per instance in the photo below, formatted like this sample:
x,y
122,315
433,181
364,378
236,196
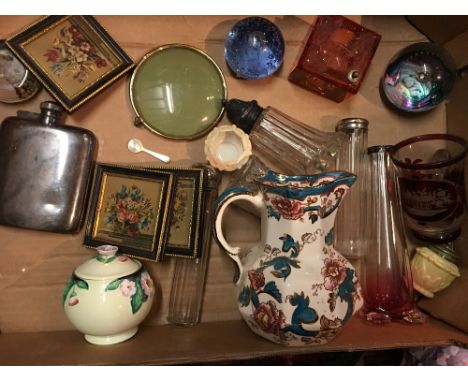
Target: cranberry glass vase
x,y
387,281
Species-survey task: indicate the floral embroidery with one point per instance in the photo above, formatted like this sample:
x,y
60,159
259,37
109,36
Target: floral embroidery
x,y
179,210
72,53
128,211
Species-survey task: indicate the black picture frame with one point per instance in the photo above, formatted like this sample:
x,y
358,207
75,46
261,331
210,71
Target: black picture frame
x,y
72,56
118,211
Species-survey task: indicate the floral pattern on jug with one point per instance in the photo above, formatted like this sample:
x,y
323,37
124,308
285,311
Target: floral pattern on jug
x,y
294,287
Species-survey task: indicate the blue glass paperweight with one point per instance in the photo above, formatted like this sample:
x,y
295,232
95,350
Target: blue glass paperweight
x,y
418,78
254,48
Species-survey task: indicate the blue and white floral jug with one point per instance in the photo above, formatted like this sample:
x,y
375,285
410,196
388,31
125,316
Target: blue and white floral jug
x,y
293,287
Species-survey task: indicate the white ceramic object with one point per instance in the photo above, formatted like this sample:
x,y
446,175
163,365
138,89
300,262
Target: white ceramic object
x,y
293,287
134,145
431,273
227,148
108,296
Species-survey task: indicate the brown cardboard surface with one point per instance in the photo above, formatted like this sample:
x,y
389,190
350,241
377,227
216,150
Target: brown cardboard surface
x,y
457,49
440,29
35,265
451,304
456,124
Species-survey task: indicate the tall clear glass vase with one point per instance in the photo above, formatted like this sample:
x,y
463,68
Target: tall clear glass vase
x,y
188,283
349,223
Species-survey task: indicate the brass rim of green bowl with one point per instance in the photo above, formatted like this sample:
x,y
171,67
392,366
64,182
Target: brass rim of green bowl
x,y
152,128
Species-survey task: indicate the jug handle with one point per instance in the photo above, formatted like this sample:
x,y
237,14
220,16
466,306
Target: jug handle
x,y
225,199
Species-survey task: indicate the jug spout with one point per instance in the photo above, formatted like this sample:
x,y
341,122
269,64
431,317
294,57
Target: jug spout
x,y
292,197
300,186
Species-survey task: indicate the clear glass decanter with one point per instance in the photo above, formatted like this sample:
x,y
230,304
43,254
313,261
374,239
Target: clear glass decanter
x,y
283,143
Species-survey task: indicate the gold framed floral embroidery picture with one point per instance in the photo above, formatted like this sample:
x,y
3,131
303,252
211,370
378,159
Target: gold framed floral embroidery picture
x,y
129,208
72,56
185,231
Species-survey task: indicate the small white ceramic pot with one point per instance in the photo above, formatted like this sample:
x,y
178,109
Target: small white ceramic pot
x,y
431,272
108,296
227,148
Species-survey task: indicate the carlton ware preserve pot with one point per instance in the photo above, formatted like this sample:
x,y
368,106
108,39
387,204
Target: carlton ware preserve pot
x,y
108,296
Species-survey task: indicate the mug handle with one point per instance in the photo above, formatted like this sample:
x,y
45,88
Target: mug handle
x,y
225,199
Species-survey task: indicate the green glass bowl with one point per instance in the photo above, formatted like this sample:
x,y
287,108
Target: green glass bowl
x,y
178,91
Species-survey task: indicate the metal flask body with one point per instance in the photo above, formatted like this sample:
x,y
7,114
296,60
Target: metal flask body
x,y
45,171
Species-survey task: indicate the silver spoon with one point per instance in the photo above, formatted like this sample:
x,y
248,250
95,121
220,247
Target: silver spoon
x,y
135,146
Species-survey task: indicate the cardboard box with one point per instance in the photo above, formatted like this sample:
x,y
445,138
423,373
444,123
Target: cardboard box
x,y
36,265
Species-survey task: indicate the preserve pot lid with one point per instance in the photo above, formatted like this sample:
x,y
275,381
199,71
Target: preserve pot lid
x,y
107,264
178,91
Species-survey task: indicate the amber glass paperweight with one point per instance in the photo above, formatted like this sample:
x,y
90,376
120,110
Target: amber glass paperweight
x,y
335,58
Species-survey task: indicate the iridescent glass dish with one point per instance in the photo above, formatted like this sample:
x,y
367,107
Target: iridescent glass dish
x,y
418,78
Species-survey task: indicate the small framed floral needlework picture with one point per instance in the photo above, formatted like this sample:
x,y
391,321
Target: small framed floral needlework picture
x,y
185,231
72,56
129,208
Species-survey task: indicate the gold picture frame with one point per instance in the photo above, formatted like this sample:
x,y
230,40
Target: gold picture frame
x,y
129,207
184,236
72,56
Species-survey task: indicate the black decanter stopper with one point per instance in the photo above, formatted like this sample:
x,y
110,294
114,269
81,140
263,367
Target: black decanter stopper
x,y
242,113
